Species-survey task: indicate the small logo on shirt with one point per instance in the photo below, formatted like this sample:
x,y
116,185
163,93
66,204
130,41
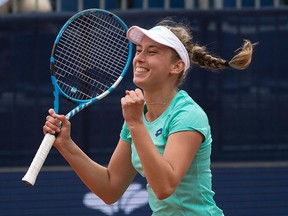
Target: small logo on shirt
x,y
158,132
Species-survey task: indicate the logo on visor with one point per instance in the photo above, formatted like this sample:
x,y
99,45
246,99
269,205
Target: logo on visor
x,y
158,28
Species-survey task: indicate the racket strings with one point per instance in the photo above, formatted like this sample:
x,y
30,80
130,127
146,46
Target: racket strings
x,y
84,57
91,55
118,49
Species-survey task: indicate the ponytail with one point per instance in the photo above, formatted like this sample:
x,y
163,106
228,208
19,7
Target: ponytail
x,y
240,61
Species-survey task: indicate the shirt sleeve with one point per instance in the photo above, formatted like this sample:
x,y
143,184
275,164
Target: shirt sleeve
x,y
125,134
190,118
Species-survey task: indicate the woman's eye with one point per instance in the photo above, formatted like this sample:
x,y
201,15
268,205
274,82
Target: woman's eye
x,y
148,52
152,52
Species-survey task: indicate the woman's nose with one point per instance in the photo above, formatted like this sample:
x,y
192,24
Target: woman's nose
x,y
140,56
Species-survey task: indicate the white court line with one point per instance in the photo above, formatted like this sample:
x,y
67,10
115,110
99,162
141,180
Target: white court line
x,y
213,165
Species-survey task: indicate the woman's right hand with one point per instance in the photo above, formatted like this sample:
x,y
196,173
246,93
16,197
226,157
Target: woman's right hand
x,y
58,125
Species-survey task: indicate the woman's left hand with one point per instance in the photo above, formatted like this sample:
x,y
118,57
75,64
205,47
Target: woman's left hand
x,y
132,106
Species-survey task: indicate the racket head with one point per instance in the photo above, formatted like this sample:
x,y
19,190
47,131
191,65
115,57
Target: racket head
x,y
90,56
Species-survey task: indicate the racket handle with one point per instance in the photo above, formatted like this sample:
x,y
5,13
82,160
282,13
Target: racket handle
x,y
39,158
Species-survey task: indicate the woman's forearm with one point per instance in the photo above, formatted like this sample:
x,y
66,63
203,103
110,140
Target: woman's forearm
x,y
158,172
95,176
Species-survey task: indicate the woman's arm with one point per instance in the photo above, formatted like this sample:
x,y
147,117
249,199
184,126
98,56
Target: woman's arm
x,y
164,172
107,183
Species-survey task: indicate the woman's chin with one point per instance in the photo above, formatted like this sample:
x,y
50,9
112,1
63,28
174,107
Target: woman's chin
x,y
138,81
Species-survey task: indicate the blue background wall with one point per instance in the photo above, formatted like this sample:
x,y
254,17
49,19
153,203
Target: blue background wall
x,y
239,191
247,109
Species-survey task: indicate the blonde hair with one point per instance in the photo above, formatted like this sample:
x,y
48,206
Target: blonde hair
x,y
199,56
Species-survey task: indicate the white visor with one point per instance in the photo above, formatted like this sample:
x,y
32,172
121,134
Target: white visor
x,y
161,35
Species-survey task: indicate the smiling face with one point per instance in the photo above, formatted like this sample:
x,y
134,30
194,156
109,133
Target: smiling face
x,y
155,65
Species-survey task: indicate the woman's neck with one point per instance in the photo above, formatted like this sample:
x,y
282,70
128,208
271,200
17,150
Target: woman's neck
x,y
157,103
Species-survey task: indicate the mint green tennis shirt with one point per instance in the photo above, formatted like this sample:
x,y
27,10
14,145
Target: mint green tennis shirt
x,y
194,195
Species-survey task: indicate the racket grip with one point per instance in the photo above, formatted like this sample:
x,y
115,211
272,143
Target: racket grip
x,y
39,159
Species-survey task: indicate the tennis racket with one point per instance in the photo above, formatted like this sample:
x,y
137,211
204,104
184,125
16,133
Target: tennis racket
x,y
90,57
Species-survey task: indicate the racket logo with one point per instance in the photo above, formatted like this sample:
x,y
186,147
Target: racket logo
x,y
134,198
73,90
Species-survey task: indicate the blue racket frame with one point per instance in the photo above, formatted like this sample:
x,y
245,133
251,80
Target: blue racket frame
x,y
84,103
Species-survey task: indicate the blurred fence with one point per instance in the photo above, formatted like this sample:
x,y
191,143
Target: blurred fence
x,y
247,109
77,5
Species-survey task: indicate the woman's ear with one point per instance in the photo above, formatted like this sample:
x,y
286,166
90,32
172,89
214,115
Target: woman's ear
x,y
178,67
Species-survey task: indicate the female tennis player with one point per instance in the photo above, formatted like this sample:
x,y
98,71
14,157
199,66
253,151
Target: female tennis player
x,y
166,135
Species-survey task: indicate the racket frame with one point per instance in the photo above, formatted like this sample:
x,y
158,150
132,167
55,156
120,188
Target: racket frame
x,y
84,103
